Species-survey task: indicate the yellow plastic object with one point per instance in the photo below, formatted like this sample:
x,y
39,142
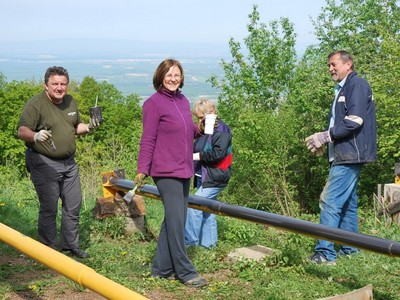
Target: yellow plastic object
x,y
108,190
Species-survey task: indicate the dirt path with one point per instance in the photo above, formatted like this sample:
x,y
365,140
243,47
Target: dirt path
x,y
27,279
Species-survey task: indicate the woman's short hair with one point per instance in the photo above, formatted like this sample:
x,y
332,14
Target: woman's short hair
x,y
163,69
204,106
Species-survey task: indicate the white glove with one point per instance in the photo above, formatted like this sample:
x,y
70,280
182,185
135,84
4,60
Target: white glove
x,y
317,140
41,136
196,156
93,123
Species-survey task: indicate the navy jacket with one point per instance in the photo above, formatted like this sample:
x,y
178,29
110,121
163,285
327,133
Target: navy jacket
x,y
354,130
215,161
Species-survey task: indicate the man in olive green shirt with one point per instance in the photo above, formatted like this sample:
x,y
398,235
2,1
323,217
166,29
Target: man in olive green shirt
x,y
49,123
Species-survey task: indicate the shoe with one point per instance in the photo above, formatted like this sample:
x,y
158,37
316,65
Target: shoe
x,y
172,277
320,259
77,253
196,282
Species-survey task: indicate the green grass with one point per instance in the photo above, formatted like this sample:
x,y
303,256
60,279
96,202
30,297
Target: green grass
x,y
127,259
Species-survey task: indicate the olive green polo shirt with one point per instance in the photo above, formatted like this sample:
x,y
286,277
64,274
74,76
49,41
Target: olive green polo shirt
x,y
61,119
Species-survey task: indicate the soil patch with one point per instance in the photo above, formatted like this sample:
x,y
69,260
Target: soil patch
x,y
27,279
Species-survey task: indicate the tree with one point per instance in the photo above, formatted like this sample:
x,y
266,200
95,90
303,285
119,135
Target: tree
x,y
114,144
13,97
260,80
252,90
266,91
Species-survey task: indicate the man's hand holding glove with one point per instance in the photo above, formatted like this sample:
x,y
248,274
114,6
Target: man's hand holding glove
x,y
41,136
316,142
139,179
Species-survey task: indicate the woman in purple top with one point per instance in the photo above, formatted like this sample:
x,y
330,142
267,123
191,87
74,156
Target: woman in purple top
x,y
166,154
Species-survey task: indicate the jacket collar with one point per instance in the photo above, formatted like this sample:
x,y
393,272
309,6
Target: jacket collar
x,y
170,95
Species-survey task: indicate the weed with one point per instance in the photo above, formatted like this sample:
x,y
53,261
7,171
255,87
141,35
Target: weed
x,y
110,227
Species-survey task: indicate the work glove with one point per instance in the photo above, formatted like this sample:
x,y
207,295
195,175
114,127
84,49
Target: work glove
x,y
320,151
41,136
317,140
139,179
93,123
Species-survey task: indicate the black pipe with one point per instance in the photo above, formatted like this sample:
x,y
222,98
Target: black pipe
x,y
358,240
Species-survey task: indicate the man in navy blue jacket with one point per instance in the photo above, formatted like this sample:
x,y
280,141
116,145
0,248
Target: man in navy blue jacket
x,y
351,139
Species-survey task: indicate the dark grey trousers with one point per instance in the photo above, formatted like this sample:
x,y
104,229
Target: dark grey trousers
x,y
54,179
171,256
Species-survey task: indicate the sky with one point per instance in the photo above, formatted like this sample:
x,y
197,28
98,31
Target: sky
x,y
206,22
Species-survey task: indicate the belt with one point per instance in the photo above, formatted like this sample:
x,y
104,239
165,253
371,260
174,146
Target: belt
x,y
32,150
64,158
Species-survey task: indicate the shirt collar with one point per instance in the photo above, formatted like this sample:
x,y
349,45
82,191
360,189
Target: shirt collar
x,y
341,83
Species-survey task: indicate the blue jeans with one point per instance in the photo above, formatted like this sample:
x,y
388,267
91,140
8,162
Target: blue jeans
x,y
338,204
201,227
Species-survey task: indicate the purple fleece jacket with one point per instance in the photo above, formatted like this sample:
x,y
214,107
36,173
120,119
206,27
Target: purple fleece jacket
x,y
166,146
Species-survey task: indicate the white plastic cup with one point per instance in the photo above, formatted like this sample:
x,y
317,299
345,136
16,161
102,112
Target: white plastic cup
x,y
209,123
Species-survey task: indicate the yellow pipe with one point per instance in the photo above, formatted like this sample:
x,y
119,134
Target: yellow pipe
x,y
66,266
